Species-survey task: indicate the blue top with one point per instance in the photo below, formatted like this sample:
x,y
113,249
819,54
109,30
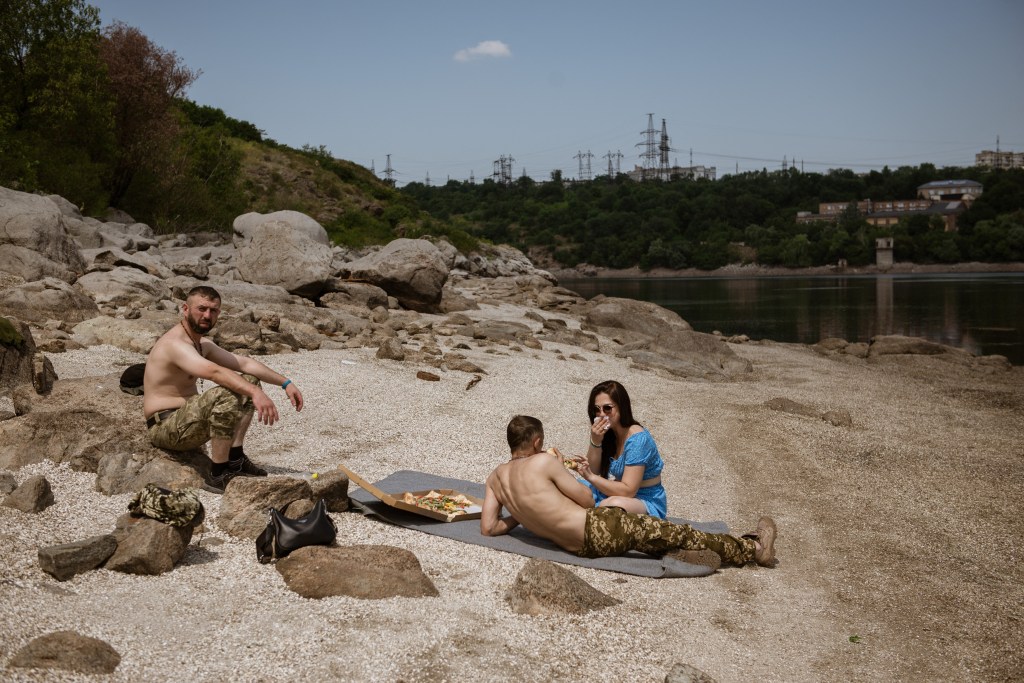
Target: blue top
x,y
640,449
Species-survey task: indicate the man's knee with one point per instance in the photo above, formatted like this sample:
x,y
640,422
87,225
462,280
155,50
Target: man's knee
x,y
226,410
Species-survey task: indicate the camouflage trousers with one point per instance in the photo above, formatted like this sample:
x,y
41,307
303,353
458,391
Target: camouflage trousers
x,y
613,531
213,414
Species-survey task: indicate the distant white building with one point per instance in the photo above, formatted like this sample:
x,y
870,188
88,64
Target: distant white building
x,y
693,172
999,159
950,190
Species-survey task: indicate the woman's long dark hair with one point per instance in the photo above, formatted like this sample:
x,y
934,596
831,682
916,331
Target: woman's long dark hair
x,y
619,396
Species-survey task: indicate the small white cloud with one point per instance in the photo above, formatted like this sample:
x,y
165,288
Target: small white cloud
x,y
486,48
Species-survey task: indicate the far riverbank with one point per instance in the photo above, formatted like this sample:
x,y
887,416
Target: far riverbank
x,y
755,270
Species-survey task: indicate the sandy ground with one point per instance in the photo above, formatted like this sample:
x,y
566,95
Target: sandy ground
x,y
900,537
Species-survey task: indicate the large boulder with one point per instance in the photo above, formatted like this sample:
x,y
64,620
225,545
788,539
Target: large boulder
x,y
48,299
236,296
136,335
68,651
278,254
124,286
360,294
67,209
85,231
412,271
543,587
688,354
369,572
108,258
247,224
243,508
34,239
17,349
70,559
643,317
895,344
146,546
94,426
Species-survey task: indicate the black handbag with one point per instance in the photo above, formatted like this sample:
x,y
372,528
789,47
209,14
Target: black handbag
x,y
284,534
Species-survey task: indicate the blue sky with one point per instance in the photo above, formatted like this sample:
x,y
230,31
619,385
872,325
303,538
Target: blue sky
x,y
448,87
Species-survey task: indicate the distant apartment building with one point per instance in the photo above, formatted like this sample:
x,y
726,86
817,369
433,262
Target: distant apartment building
x,y
944,198
999,159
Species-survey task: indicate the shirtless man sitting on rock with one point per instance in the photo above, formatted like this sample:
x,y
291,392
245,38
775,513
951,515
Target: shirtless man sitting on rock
x,y
179,418
544,497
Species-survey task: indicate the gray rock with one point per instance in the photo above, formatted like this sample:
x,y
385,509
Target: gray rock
x,y
684,673
838,418
857,349
333,488
245,225
369,572
391,349
246,501
108,258
543,587
124,286
637,316
146,546
898,344
126,470
69,651
785,405
82,422
47,299
832,344
33,495
688,354
584,340
67,209
235,334
43,374
274,243
7,483
68,559
34,240
353,294
412,271
137,335
113,215
17,350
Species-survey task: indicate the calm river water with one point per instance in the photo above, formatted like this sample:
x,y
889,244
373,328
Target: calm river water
x,y
980,312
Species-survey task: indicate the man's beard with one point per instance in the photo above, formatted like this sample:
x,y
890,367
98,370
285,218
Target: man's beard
x,y
195,326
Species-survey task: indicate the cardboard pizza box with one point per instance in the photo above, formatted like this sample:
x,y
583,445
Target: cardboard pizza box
x,y
395,500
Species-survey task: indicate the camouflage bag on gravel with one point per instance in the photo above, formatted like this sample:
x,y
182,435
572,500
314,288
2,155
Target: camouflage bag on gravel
x,y
177,508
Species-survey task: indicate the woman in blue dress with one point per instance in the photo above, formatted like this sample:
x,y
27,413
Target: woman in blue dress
x,y
623,466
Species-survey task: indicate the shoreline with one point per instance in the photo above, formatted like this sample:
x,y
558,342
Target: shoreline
x,y
587,272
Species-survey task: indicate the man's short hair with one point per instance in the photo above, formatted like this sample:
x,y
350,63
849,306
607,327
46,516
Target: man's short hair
x,y
522,430
204,291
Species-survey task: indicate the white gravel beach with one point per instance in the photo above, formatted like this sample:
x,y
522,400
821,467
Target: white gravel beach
x,y
899,546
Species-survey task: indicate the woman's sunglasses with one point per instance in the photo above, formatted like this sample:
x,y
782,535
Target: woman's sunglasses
x,y
607,408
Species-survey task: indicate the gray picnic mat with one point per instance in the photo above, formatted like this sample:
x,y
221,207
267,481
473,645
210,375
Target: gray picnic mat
x,y
519,541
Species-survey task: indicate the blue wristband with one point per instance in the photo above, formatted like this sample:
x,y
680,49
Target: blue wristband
x,y
286,383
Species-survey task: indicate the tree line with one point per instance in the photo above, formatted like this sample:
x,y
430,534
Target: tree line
x,y
620,223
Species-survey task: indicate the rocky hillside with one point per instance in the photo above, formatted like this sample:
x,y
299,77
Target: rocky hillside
x,y
278,178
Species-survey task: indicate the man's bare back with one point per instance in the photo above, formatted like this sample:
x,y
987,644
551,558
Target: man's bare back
x,y
540,494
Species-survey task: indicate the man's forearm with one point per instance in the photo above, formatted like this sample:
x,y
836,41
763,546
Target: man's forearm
x,y
232,381
260,371
500,526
